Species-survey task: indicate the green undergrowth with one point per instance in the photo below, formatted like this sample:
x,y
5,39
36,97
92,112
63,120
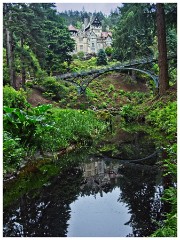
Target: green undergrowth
x,y
161,114
75,126
105,92
79,65
45,129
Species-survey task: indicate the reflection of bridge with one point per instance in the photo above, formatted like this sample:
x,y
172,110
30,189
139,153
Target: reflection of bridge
x,y
82,79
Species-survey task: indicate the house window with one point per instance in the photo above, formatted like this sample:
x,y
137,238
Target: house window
x,y
81,40
93,47
81,47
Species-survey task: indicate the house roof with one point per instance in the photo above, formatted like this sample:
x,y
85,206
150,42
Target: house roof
x,y
91,21
106,34
72,28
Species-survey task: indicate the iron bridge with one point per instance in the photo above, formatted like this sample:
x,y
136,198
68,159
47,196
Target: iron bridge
x,y
82,79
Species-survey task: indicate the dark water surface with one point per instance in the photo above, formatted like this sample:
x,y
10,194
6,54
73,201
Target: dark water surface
x,y
98,198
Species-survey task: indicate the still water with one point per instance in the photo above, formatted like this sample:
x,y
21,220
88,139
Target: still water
x,y
98,198
99,215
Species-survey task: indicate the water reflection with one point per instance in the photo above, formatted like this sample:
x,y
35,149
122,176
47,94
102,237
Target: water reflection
x,y
47,212
141,192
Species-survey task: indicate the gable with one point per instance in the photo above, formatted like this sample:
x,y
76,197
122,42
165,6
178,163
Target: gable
x,y
96,22
109,38
92,34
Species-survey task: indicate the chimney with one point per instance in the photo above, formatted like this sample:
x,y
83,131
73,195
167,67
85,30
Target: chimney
x,y
85,22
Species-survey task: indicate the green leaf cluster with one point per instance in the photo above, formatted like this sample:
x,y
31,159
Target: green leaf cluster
x,y
13,152
165,118
54,89
13,98
129,113
24,123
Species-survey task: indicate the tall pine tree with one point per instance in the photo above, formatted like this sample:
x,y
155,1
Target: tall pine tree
x,y
162,48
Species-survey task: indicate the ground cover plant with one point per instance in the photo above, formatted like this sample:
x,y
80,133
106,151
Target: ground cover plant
x,y
44,128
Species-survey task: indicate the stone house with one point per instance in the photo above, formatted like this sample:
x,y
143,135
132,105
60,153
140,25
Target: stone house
x,y
91,38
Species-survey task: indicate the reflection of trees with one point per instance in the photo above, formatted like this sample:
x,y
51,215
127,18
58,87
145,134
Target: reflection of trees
x,y
46,214
136,146
138,186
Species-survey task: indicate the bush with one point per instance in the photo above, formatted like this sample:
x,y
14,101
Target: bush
x,y
74,56
90,94
13,153
111,88
101,58
165,119
54,89
80,55
109,51
24,123
14,99
129,113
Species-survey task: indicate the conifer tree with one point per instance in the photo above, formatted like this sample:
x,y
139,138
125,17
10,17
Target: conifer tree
x,y
9,42
101,58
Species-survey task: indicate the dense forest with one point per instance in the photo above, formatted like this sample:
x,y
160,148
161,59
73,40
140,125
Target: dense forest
x,y
46,116
76,18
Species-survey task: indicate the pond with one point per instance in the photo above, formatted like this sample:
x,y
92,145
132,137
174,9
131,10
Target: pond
x,y
94,196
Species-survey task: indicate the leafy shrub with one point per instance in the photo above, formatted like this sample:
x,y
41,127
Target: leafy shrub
x,y
115,95
168,228
13,152
74,56
121,92
103,105
40,75
90,93
54,89
165,119
80,55
24,123
129,113
109,51
48,95
111,88
13,98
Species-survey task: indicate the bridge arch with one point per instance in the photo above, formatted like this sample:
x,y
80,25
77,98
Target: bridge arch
x,y
103,71
89,76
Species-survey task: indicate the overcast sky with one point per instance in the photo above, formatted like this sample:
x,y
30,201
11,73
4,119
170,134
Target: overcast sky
x,y
89,7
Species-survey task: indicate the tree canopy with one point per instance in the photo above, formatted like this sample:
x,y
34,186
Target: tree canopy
x,y
34,31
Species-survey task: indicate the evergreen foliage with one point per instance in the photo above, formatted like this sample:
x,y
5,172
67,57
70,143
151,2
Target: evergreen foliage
x,y
135,30
76,18
101,58
37,32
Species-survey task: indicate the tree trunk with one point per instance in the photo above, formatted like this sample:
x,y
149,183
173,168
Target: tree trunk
x,y
162,48
23,70
10,55
133,75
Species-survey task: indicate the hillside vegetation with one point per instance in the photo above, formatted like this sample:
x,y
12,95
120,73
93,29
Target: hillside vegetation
x,y
43,117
